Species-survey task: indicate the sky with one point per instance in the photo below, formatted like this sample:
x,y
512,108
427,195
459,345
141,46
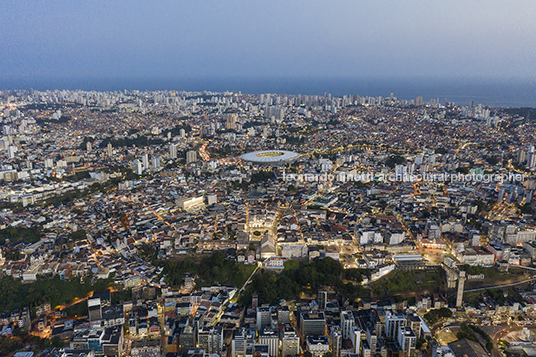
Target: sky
x,y
272,39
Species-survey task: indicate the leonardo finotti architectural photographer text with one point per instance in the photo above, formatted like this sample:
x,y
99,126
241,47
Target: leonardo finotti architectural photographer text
x,y
426,177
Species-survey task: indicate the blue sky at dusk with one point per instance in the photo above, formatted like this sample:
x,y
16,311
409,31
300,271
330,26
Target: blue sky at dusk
x,y
308,39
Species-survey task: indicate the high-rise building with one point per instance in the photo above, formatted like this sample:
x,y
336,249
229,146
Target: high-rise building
x,y
109,150
11,150
290,342
283,315
96,302
238,345
145,161
216,339
191,156
313,324
414,322
521,156
155,161
187,338
210,339
347,324
173,151
137,167
264,318
356,339
270,337
407,340
322,299
393,323
335,337
531,160
231,121
89,146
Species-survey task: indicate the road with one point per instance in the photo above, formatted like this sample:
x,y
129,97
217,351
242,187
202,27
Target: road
x,y
495,338
501,286
498,333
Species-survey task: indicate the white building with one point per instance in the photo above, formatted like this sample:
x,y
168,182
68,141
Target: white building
x,y
270,337
290,342
393,323
299,251
407,340
189,202
173,151
137,167
191,156
318,345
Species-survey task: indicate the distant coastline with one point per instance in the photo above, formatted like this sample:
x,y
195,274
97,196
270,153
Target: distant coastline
x,y
489,92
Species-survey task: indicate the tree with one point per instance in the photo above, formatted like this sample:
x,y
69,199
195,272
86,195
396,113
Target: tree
x,y
78,235
395,160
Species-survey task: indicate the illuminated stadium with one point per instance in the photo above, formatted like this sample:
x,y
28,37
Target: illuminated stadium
x,y
270,157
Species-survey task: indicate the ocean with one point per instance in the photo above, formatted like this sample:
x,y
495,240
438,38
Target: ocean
x,y
490,92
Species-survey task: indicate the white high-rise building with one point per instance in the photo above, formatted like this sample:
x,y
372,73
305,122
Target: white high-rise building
x,y
356,339
11,150
191,156
347,324
155,161
393,323
137,167
173,151
531,159
407,340
145,161
270,337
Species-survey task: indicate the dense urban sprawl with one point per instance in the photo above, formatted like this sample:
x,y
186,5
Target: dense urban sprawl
x,y
137,223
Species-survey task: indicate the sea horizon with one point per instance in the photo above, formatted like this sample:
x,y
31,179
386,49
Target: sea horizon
x,y
462,91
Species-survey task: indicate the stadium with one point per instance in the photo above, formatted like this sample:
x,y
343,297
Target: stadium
x,y
270,157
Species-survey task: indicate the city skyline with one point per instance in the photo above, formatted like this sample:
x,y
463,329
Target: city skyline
x,y
254,179
314,215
